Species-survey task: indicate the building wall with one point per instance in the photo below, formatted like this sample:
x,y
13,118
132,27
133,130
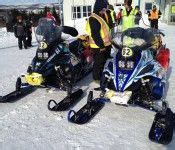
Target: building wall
x,y
67,12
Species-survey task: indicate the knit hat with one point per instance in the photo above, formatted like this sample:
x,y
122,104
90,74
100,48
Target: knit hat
x,y
99,5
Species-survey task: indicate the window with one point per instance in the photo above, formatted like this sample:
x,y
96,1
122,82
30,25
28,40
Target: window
x,y
148,6
89,10
173,9
84,11
76,12
172,19
81,11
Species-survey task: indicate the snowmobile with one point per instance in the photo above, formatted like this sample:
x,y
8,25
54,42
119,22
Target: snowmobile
x,y
57,63
136,75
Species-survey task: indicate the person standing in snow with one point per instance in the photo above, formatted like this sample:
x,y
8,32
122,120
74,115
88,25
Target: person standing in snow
x,y
128,16
99,38
20,32
153,16
111,15
29,32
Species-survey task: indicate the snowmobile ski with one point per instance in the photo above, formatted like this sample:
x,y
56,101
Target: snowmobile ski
x,y
88,111
162,127
17,94
67,102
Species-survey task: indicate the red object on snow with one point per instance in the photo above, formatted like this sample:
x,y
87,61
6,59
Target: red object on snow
x,y
163,57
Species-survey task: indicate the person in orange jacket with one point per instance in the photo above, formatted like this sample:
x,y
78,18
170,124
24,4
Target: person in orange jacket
x,y
153,16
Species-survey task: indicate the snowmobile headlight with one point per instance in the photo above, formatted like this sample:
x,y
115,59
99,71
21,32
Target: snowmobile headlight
x,y
126,64
121,64
130,64
34,79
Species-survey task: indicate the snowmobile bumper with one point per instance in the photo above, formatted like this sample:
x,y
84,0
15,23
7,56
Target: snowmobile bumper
x,y
121,98
34,79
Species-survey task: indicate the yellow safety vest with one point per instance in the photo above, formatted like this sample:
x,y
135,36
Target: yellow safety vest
x,y
136,11
104,32
128,21
112,15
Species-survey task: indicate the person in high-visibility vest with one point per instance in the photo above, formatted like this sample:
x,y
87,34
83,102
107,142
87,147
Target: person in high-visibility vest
x,y
138,15
128,16
153,16
99,38
112,13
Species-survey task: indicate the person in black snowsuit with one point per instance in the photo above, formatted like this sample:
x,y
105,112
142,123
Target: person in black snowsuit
x,y
101,54
20,33
29,32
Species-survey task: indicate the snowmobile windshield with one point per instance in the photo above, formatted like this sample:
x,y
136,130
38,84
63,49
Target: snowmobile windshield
x,y
47,31
135,37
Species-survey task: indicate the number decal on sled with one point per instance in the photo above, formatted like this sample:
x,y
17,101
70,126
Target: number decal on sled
x,y
127,52
42,45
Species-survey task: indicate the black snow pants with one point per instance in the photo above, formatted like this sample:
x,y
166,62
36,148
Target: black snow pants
x,y
154,23
29,40
99,61
22,39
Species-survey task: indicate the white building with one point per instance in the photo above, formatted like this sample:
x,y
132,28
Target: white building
x,y
75,12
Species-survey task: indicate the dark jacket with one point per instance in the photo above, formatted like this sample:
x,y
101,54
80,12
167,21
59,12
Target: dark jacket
x,y
95,32
110,21
20,29
28,25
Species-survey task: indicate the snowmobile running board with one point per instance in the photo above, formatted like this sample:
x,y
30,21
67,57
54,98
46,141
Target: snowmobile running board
x,y
67,102
16,95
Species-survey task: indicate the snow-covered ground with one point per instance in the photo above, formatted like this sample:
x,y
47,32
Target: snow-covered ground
x,y
28,124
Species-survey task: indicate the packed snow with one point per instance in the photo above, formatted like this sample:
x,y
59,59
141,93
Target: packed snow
x,y
28,124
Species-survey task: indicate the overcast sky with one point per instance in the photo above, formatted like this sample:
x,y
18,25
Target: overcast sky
x,y
21,2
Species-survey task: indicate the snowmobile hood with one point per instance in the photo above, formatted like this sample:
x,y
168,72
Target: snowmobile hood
x,y
144,65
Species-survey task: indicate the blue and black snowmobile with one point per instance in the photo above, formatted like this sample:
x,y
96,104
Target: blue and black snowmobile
x,y
56,63
136,75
